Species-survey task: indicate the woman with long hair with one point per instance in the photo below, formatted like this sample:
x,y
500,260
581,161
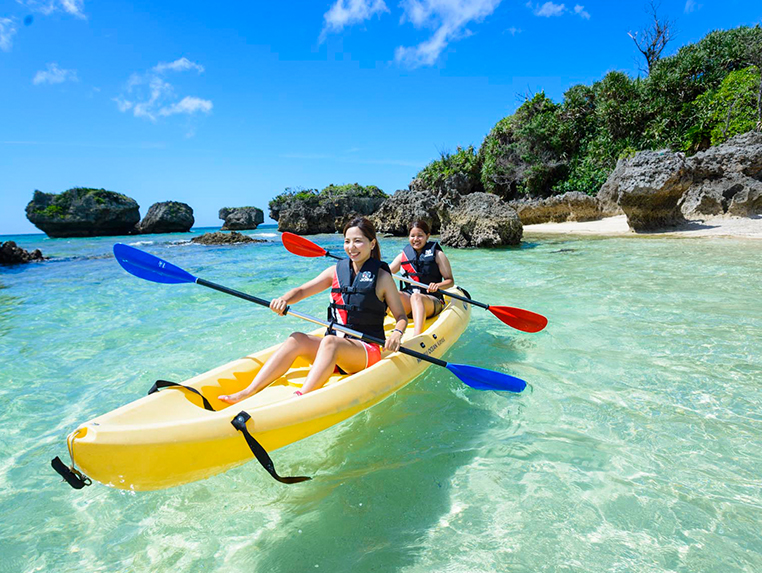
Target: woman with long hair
x,y
423,261
361,290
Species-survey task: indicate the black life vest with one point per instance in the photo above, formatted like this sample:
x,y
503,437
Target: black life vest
x,y
353,299
421,267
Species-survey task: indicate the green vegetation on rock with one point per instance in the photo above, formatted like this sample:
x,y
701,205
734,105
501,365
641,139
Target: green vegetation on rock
x,y
330,193
464,161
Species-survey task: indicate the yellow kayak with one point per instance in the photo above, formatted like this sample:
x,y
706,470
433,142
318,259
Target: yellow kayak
x,y
168,438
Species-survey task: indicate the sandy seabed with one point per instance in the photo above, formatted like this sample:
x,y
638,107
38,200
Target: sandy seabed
x,y
737,227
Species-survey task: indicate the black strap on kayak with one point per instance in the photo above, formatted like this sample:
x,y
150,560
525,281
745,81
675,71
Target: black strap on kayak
x,y
239,423
159,384
71,475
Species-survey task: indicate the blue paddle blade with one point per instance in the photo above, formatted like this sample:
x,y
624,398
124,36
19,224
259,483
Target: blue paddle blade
x,y
146,266
483,379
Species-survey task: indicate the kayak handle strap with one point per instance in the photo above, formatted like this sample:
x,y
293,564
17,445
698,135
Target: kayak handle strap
x,y
239,423
159,384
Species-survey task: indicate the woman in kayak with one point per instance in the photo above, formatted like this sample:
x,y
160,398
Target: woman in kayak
x,y
361,289
425,262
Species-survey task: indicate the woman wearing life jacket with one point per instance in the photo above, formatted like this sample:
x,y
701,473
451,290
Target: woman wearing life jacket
x,y
361,289
423,261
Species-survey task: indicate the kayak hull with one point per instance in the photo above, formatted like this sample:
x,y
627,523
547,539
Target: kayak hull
x,y
168,438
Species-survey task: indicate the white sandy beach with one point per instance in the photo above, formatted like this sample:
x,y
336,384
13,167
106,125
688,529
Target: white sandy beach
x,y
743,228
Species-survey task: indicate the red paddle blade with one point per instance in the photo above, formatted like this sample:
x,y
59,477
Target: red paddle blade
x,y
301,246
519,318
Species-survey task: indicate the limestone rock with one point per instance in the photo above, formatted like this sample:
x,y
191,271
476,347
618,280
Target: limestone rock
x,y
241,218
167,217
310,212
12,254
83,212
405,206
727,179
571,206
649,187
481,220
220,238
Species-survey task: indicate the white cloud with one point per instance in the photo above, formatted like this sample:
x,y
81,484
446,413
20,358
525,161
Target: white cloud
x,y
548,9
73,7
347,12
150,96
580,10
54,75
449,17
188,105
513,30
7,30
180,65
690,6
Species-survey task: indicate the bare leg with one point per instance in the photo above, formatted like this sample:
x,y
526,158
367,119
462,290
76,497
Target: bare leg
x,y
406,302
348,353
423,306
298,344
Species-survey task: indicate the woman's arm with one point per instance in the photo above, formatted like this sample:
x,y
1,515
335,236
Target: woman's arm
x,y
316,285
444,269
391,296
396,264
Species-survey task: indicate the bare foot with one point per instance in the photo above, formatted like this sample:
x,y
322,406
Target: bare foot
x,y
233,398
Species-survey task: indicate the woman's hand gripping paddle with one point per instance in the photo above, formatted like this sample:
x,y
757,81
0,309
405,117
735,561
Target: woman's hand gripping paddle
x,y
518,318
152,268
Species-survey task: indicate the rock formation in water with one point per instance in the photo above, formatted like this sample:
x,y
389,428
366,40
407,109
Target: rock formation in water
x,y
311,212
167,217
83,212
241,218
220,238
405,206
480,220
12,254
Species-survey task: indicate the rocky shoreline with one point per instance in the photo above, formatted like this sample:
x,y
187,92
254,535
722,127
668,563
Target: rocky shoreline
x,y
655,191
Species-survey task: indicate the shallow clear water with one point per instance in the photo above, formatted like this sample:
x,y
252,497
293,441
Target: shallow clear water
x,y
636,446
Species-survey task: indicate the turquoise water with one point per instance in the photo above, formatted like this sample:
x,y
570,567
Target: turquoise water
x,y
636,446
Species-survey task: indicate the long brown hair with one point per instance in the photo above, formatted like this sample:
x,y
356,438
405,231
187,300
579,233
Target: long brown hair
x,y
367,229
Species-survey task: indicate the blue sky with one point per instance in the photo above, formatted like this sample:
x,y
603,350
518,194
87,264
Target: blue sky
x,y
228,104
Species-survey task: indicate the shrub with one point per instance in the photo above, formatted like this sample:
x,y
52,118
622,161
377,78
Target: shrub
x,y
465,161
727,111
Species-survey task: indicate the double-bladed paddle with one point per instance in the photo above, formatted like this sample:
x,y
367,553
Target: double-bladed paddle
x,y
149,267
518,318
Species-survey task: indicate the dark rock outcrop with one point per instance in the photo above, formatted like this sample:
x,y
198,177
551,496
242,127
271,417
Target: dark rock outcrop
x,y
241,218
83,212
220,238
649,186
405,206
12,254
571,206
310,212
480,220
167,217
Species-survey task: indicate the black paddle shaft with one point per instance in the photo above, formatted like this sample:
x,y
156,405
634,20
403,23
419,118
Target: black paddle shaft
x,y
307,317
